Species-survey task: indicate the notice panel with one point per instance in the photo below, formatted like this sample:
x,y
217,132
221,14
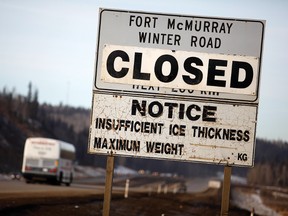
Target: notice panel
x,y
174,130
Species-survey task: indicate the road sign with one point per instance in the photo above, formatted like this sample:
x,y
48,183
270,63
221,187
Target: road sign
x,y
146,66
176,87
175,130
227,49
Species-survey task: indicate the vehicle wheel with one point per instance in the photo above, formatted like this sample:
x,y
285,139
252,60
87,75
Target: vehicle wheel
x,y
60,179
28,181
70,180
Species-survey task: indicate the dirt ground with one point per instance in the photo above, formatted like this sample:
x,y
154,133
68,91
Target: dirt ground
x,y
207,203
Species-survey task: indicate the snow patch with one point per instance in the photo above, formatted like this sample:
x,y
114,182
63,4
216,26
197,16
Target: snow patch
x,y
88,172
121,170
251,202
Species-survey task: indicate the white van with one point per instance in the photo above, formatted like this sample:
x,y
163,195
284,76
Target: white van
x,y
48,160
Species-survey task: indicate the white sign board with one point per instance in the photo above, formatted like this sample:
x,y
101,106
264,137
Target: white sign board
x,y
169,129
176,87
227,52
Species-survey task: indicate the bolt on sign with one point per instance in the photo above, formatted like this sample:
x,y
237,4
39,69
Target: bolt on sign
x,y
176,87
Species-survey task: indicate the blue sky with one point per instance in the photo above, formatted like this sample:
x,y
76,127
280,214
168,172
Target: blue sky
x,y
52,44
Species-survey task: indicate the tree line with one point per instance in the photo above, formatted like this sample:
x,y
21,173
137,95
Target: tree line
x,y
23,116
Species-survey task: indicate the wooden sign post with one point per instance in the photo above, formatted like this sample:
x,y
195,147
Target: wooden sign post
x,y
226,191
108,185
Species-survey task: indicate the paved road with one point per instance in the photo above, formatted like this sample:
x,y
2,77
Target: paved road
x,y
18,198
81,187
22,189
